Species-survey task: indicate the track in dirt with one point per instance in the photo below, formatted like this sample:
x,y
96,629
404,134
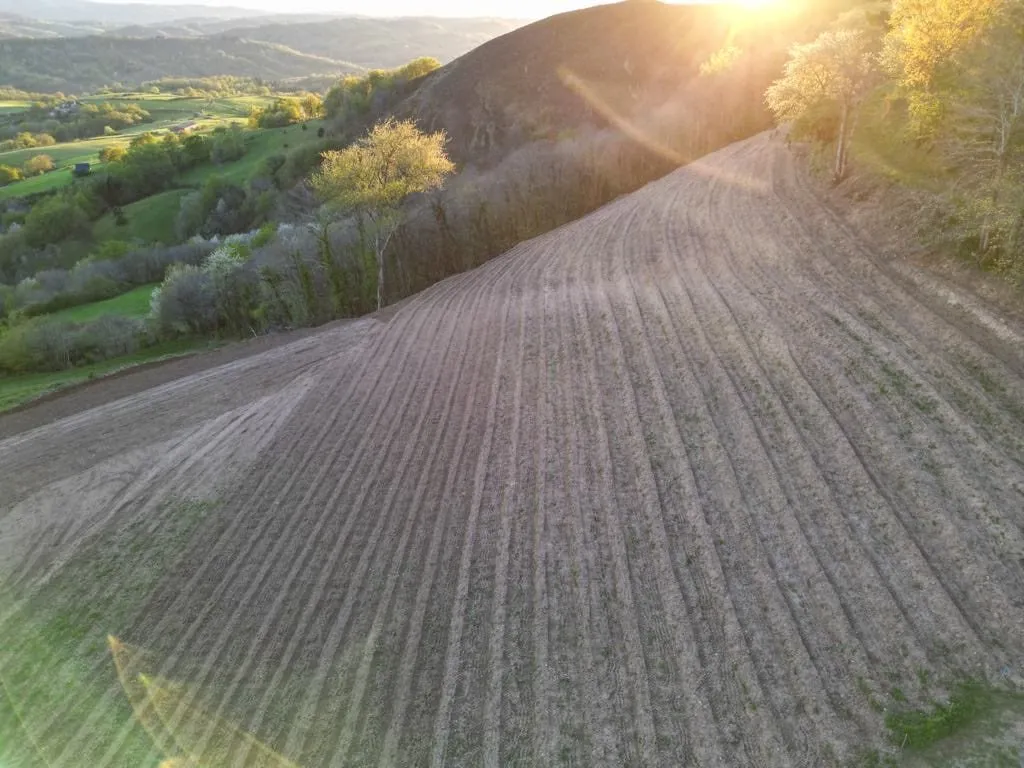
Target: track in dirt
x,y
695,480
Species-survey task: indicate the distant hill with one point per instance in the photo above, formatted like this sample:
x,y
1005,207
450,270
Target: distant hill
x,y
17,26
118,13
78,65
379,42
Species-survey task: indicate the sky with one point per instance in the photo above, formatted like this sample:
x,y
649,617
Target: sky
x,y
518,9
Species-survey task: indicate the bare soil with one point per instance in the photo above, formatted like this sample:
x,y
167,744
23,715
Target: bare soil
x,y
700,479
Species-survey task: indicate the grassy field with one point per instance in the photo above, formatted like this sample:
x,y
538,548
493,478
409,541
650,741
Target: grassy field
x,y
15,390
260,145
150,220
134,303
10,107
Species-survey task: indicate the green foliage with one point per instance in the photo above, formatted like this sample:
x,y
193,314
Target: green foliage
x,y
921,48
287,111
55,219
113,154
380,170
353,96
827,77
38,165
9,175
375,175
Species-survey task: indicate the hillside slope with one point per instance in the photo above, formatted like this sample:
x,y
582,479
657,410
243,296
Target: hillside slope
x,y
87,63
697,479
567,74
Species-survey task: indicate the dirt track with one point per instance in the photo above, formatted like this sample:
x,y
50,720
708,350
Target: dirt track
x,y
694,480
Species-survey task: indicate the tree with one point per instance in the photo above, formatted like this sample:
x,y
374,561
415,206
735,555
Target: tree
x,y
9,174
921,47
833,73
55,219
38,165
371,179
986,111
113,154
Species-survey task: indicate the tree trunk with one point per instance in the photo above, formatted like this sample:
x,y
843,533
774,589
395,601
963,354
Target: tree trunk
x,y
839,172
380,270
986,227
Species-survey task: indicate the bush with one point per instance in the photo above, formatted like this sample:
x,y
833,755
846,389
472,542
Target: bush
x,y
186,303
9,174
38,165
47,344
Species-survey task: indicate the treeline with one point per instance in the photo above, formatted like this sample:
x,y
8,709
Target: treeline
x,y
945,80
354,97
208,87
44,123
287,110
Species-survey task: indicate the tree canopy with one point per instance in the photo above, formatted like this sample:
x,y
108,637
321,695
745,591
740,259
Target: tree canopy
x,y
372,177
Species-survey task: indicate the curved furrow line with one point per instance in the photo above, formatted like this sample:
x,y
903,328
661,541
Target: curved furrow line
x,y
632,681
800,183
414,449
312,701
779,534
927,334
692,723
955,533
791,311
473,657
455,632
706,483
646,311
804,486
389,754
586,557
298,564
297,629
355,697
218,432
782,668
849,578
237,562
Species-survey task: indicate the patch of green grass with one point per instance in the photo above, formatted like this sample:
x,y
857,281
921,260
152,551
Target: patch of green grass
x,y
10,107
55,638
260,145
134,303
918,729
15,390
150,220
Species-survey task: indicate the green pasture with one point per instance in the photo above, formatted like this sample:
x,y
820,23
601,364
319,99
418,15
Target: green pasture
x,y
150,220
10,107
134,303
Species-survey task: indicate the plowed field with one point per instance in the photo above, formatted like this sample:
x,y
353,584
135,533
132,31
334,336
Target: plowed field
x,y
696,480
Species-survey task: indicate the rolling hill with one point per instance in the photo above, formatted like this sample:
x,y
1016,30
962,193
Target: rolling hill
x,y
78,65
119,14
563,75
380,42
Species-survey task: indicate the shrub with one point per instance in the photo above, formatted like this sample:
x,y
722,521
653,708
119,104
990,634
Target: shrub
x,y
186,303
9,174
38,165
